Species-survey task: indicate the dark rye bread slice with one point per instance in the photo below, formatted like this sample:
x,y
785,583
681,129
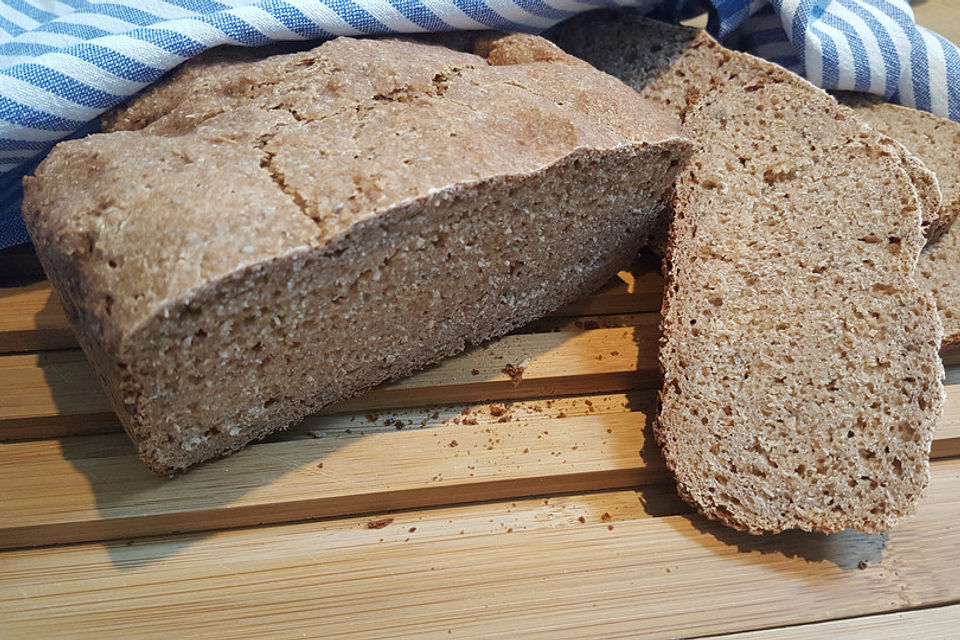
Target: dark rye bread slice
x,y
272,235
801,372
674,65
936,141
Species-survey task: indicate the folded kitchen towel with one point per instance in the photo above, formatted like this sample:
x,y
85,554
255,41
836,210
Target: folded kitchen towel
x,y
64,62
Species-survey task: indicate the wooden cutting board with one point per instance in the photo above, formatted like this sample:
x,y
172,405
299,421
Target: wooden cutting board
x,y
451,501
451,504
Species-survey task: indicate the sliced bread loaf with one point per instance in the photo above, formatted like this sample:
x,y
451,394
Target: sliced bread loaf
x,y
936,141
260,237
674,66
801,372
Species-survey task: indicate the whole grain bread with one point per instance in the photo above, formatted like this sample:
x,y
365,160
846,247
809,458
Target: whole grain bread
x,y
936,141
938,271
258,237
801,372
932,139
674,66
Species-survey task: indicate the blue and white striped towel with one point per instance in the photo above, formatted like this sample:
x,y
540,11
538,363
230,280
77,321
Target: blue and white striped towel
x,y
63,62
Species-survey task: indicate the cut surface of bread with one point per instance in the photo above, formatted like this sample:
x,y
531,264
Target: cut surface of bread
x,y
801,373
675,66
936,141
259,237
938,271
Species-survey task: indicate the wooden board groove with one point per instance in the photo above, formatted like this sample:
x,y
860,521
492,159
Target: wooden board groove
x,y
51,394
491,570
94,487
933,623
55,393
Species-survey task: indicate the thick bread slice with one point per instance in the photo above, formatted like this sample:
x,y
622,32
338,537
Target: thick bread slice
x,y
801,372
277,234
676,65
936,141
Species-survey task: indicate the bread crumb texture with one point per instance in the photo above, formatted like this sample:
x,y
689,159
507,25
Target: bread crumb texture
x,y
801,372
257,237
935,141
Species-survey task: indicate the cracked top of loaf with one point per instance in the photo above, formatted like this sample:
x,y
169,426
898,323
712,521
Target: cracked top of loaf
x,y
238,158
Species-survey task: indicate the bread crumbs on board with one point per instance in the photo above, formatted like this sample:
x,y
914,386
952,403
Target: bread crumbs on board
x,y
380,523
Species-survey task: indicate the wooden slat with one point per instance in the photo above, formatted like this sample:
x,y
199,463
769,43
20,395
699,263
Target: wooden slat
x,y
95,488
493,570
49,394
935,623
31,317
636,290
53,394
947,434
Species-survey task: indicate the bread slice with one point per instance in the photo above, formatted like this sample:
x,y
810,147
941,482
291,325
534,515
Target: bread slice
x,y
801,372
271,235
936,141
675,65
932,139
938,271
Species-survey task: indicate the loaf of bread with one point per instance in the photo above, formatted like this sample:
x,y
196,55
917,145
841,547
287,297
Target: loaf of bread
x,y
801,372
674,66
936,141
258,237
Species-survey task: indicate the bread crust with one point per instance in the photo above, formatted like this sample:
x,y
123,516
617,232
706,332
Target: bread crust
x,y
258,237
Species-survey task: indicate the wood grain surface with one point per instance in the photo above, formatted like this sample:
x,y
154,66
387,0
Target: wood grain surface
x,y
450,504
632,567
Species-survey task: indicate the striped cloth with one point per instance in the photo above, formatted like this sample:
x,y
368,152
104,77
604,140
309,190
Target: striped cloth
x,y
64,62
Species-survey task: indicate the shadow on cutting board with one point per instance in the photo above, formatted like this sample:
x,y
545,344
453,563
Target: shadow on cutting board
x,y
332,466
132,502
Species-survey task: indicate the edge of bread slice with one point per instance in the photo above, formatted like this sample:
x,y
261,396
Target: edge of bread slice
x,y
675,66
936,141
801,373
932,139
